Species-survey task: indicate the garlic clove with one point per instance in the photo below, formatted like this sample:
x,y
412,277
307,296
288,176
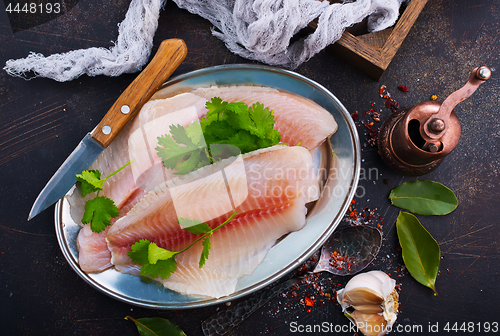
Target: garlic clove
x,y
370,301
362,296
368,309
369,324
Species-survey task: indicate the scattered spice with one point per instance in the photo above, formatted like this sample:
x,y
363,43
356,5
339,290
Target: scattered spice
x,y
389,102
309,302
341,261
355,115
434,97
403,88
366,216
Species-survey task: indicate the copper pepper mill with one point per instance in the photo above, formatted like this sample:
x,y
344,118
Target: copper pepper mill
x,y
414,141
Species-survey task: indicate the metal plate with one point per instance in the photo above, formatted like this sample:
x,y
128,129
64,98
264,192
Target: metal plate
x,y
341,156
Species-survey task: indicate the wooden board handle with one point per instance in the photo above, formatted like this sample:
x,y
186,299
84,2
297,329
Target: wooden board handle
x,y
169,56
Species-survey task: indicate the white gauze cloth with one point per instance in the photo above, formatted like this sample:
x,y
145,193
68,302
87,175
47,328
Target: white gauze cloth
x,y
259,30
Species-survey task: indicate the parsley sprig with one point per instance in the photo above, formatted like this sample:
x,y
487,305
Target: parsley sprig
x,y
100,209
246,128
159,262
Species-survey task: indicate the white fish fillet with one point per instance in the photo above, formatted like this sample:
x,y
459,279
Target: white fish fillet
x,y
276,178
143,172
236,250
299,120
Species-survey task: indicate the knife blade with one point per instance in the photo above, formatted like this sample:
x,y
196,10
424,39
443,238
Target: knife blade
x,y
169,56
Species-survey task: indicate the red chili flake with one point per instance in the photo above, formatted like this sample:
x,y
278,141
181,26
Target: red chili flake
x,y
355,115
403,88
391,104
381,90
308,310
353,201
373,103
270,328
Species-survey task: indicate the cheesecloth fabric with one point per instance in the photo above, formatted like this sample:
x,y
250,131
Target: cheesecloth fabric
x,y
259,30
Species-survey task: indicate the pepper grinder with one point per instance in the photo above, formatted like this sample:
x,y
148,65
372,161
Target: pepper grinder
x,y
414,141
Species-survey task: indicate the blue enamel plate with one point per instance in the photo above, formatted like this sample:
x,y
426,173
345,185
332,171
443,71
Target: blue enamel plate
x,y
341,156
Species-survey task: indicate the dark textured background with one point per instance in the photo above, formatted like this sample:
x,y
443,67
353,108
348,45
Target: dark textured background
x,y
43,120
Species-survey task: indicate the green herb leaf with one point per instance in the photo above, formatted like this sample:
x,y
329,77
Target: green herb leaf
x,y
421,253
183,150
156,253
139,252
156,261
90,181
233,124
156,326
206,249
162,269
150,256
194,226
98,212
424,198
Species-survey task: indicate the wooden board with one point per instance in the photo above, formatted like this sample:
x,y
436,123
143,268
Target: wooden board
x,y
373,52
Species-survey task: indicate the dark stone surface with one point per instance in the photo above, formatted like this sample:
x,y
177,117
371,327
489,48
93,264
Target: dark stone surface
x,y
43,120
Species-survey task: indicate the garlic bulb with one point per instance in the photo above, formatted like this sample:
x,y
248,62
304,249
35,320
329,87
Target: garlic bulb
x,y
370,301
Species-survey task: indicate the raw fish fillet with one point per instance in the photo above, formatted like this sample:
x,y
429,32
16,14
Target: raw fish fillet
x,y
299,120
269,180
237,249
146,170
93,253
133,182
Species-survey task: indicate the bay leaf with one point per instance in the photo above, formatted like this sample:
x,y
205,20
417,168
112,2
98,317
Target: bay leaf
x,y
421,252
156,326
424,198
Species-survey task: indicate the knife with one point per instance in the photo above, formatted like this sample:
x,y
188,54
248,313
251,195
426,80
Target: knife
x,y
169,56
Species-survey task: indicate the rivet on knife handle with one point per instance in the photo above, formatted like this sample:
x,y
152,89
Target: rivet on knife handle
x,y
140,90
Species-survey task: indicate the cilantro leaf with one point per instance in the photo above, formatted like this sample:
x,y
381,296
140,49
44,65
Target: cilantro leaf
x,y
263,121
90,181
195,132
236,124
159,262
163,269
248,128
98,212
183,150
197,159
156,253
199,229
155,261
215,106
179,135
206,249
139,252
245,141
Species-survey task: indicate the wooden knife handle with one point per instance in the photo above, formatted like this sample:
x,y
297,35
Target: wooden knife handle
x,y
169,56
